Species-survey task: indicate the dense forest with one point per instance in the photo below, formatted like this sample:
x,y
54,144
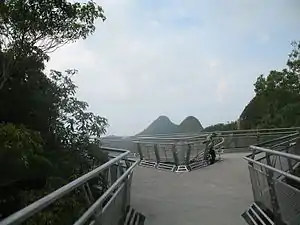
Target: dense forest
x,y
47,136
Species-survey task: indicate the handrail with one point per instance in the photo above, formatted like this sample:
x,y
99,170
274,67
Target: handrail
x,y
273,152
276,166
219,131
293,136
40,204
278,139
293,177
168,138
165,143
240,133
250,134
162,143
285,142
93,207
283,154
220,143
256,130
120,150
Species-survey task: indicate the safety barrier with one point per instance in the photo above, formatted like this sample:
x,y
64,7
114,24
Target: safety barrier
x,y
177,155
274,174
105,204
186,151
234,140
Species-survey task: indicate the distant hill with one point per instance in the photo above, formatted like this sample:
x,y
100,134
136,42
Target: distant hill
x,y
163,125
190,125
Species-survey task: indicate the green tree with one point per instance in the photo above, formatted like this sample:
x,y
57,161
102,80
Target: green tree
x,y
64,144
46,133
41,26
276,103
221,127
23,165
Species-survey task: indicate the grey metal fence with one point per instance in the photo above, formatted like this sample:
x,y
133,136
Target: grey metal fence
x,y
274,174
164,153
184,149
106,208
234,140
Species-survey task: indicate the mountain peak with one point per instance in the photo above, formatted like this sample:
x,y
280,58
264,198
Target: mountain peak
x,y
190,125
163,125
163,117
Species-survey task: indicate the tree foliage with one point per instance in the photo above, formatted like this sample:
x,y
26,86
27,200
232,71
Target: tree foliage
x,y
46,24
276,103
47,136
37,27
221,127
21,155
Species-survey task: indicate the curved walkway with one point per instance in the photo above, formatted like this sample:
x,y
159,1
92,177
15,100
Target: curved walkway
x,y
215,195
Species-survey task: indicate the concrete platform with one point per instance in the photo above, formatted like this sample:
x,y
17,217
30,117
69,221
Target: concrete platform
x,y
214,195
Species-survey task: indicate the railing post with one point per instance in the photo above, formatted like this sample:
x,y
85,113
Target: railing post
x,y
257,138
140,150
86,195
98,217
188,154
126,196
156,151
274,201
175,154
181,152
148,153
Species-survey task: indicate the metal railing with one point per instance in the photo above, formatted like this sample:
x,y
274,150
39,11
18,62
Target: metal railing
x,y
247,131
274,174
106,208
182,149
234,140
175,152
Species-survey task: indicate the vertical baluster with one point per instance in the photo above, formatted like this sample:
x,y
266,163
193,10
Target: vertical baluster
x,y
156,151
274,201
175,154
89,192
86,195
109,177
139,149
188,154
165,151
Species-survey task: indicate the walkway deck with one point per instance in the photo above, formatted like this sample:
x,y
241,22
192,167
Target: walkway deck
x,y
215,195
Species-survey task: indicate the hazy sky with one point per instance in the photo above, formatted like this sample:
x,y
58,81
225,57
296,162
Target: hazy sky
x,y
178,58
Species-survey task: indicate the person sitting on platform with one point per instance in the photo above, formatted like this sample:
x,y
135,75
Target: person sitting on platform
x,y
210,153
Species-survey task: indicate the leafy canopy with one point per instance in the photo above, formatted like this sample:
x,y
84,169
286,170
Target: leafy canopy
x,y
276,103
47,136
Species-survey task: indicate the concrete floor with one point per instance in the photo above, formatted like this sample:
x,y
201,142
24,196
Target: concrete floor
x,y
214,195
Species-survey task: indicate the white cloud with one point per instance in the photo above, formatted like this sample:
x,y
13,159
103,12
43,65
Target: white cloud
x,y
177,58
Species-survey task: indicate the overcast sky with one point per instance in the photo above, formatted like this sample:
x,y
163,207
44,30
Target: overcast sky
x,y
178,58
